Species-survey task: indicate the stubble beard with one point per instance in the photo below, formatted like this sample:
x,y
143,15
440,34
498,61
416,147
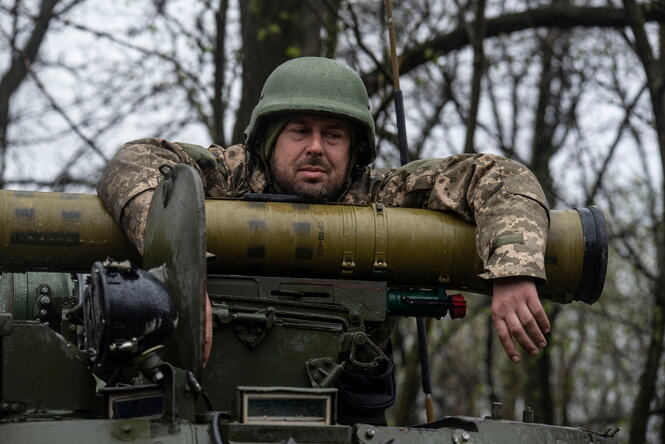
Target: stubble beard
x,y
312,191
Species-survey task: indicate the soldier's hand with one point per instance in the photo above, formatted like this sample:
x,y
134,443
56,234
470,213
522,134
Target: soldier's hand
x,y
519,315
207,331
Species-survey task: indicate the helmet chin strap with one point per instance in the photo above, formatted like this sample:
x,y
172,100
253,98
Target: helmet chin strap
x,y
273,128
265,142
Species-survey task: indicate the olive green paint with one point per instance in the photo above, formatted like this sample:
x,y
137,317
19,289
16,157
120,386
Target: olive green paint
x,y
352,242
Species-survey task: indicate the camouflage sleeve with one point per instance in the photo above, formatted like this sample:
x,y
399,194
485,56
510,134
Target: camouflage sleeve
x,y
133,171
501,196
135,218
128,180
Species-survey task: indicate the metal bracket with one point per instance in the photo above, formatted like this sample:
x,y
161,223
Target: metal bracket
x,y
348,243
323,372
380,267
351,341
169,180
250,328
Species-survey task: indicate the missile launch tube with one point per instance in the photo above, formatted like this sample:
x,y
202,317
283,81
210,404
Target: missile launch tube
x,y
402,246
411,247
58,232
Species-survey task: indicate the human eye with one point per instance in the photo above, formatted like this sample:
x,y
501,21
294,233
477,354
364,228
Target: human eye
x,y
298,130
299,127
334,135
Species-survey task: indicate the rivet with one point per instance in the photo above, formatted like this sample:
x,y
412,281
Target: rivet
x,y
359,338
157,375
126,428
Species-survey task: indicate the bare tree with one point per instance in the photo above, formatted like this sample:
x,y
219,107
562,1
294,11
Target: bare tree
x,y
545,83
23,48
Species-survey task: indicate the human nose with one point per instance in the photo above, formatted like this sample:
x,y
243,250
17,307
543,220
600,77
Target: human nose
x,y
315,145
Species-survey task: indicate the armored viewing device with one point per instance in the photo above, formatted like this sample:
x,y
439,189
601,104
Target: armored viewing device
x,y
100,344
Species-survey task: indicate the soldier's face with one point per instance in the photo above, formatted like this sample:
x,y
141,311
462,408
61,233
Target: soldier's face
x,y
311,157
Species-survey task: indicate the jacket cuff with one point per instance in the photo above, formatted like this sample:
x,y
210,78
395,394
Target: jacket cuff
x,y
516,259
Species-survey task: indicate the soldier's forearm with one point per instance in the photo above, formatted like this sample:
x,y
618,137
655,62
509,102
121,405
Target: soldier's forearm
x,y
134,218
513,240
512,216
135,169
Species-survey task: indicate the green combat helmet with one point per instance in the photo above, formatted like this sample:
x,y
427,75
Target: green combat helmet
x,y
319,85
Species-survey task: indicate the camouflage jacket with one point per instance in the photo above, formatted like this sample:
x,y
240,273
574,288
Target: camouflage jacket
x,y
502,197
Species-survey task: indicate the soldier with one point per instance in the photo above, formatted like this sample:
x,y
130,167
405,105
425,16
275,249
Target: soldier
x,y
312,135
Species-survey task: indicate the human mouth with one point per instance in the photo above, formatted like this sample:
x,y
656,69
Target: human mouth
x,y
312,171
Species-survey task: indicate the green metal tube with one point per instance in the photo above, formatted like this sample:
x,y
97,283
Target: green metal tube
x,y
58,232
414,247
402,246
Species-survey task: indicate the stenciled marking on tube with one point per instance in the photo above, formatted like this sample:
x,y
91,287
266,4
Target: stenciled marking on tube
x,y
321,237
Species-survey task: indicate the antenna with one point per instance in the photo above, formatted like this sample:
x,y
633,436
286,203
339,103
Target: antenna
x,y
404,159
397,92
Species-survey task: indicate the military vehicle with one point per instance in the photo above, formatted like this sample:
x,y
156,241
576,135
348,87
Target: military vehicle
x,y
101,345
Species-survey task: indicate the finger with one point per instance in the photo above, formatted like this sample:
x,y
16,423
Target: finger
x,y
539,314
506,340
516,330
533,330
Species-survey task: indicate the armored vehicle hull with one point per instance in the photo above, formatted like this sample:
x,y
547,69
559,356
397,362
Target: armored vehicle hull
x,y
117,354
453,430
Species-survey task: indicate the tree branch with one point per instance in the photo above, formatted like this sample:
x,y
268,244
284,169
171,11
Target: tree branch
x,y
22,59
553,16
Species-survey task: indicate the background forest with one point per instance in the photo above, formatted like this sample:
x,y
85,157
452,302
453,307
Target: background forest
x,y
574,89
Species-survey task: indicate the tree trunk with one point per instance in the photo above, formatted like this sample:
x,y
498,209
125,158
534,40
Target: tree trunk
x,y
543,147
647,392
272,33
538,387
218,102
409,383
653,68
477,38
